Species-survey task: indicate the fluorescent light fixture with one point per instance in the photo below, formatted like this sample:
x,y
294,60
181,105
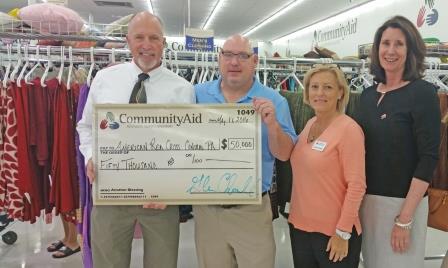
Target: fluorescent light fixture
x,y
150,7
343,16
213,14
273,16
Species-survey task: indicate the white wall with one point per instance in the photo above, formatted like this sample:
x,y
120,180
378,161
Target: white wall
x,y
366,24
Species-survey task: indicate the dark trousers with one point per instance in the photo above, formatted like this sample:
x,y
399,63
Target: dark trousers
x,y
308,250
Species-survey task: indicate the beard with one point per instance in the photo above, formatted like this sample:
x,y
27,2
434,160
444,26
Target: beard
x,y
147,66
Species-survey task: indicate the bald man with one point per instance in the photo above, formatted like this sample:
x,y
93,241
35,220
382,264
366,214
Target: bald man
x,y
113,226
242,235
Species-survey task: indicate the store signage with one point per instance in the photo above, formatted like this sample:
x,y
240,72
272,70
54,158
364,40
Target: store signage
x,y
427,14
340,31
198,40
180,46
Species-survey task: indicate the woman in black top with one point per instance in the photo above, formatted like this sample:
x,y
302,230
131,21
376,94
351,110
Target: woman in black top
x,y
401,120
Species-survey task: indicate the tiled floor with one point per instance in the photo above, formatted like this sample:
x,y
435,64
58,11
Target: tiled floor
x,y
30,248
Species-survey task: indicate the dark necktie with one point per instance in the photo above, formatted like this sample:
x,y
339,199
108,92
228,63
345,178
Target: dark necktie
x,y
138,92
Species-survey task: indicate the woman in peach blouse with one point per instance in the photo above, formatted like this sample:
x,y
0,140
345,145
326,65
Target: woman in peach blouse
x,y
328,177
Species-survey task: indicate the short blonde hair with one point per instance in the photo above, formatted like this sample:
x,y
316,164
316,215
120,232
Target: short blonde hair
x,y
340,79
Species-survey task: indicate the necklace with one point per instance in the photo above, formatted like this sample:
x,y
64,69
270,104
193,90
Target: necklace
x,y
315,132
317,129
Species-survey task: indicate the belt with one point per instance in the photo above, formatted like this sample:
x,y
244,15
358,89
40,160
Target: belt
x,y
232,206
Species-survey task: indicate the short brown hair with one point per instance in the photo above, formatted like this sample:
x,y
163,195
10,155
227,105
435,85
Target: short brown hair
x,y
416,50
340,79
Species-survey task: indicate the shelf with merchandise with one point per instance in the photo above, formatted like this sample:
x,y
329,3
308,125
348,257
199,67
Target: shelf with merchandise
x,y
36,30
437,50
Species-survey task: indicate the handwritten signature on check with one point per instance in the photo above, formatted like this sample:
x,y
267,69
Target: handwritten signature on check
x,y
229,183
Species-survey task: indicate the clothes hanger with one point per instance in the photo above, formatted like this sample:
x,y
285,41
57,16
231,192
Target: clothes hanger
x,y
206,67
436,79
170,61
92,65
18,65
293,75
201,75
265,71
61,69
258,70
70,67
25,66
214,66
163,58
8,67
47,68
195,72
27,76
113,55
177,62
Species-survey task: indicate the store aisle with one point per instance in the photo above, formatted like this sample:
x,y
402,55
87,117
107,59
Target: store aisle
x,y
30,249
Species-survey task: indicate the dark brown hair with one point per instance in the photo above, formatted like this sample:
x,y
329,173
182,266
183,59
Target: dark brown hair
x,y
416,50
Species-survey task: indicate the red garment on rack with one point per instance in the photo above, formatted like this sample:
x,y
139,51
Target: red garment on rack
x,y
64,190
27,182
39,113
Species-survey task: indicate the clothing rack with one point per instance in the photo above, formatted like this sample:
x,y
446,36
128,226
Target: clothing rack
x,y
172,59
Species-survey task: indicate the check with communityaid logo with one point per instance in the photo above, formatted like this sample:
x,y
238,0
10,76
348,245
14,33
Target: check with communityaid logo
x,y
176,154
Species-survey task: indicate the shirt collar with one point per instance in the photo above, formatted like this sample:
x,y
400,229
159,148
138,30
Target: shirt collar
x,y
215,91
152,74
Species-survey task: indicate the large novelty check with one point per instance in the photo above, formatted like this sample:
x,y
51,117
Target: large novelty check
x,y
177,154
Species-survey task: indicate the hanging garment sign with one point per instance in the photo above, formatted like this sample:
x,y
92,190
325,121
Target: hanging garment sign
x,y
177,154
199,40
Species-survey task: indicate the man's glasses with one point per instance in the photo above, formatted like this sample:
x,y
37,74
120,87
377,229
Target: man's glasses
x,y
227,55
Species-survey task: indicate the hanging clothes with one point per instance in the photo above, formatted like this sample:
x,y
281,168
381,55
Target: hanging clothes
x,y
85,188
11,198
64,193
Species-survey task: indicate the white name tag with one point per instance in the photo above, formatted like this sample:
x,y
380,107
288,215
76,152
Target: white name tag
x,y
319,145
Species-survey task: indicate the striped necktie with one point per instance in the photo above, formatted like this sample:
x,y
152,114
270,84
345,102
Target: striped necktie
x,y
138,92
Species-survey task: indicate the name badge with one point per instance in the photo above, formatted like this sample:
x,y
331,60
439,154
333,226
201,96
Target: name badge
x,y
319,146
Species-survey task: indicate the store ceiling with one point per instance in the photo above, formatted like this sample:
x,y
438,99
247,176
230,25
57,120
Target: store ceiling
x,y
234,17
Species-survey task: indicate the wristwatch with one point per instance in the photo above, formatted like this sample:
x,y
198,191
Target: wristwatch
x,y
343,235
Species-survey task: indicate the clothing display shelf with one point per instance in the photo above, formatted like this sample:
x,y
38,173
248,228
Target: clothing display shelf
x,y
34,30
171,58
440,50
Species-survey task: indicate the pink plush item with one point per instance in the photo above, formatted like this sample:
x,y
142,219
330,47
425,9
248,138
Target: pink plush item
x,y
51,18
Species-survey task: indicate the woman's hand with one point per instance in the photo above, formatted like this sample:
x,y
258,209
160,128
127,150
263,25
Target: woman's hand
x,y
338,248
400,239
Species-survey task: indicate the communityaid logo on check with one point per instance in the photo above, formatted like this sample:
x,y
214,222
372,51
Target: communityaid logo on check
x,y
109,122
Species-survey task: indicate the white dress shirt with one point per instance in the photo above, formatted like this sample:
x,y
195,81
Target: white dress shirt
x,y
114,84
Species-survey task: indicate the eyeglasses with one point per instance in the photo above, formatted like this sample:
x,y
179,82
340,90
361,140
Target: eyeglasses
x,y
227,55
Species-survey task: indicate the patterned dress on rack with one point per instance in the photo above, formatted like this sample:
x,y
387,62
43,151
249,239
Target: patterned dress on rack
x,y
13,200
